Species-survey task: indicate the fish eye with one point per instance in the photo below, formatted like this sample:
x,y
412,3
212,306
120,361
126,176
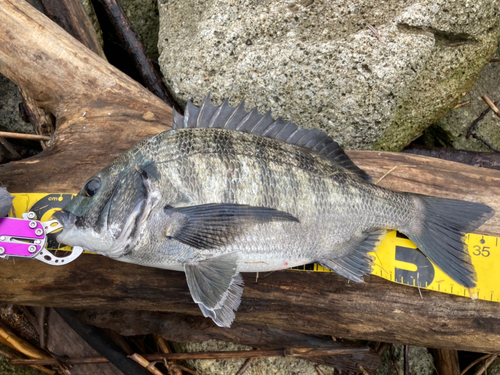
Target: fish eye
x,y
91,187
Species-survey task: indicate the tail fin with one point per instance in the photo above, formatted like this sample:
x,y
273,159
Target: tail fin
x,y
441,234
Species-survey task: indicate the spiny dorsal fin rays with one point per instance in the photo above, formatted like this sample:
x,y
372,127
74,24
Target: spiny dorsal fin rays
x,y
178,120
191,115
248,119
207,110
286,131
262,124
236,117
220,116
227,117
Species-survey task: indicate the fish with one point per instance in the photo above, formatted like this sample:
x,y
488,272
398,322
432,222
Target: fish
x,y
227,191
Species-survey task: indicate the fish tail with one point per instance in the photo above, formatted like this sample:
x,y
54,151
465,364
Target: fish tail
x,y
440,234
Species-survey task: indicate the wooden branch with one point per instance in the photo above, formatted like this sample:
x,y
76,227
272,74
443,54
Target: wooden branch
x,y
290,353
100,112
312,303
477,159
130,42
32,137
71,16
145,363
446,361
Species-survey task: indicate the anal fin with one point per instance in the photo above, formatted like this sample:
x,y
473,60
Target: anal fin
x,y
216,286
357,262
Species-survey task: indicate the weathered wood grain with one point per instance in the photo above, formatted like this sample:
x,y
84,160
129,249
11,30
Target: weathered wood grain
x,y
312,303
99,111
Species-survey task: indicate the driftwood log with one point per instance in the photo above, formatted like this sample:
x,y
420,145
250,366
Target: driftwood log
x,y
100,113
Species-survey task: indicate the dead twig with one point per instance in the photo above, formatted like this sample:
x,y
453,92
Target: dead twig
x,y
20,345
12,356
487,363
171,366
494,60
385,174
486,142
461,105
406,361
246,366
150,366
492,105
318,370
391,170
30,137
292,352
42,326
473,128
135,49
475,363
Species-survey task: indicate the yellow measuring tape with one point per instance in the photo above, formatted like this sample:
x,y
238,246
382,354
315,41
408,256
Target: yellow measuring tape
x,y
396,259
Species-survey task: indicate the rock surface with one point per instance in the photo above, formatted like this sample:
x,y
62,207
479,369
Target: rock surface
x,y
451,131
143,15
10,119
495,368
420,361
317,62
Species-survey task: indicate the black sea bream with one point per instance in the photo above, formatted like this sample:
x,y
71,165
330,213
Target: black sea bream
x,y
229,191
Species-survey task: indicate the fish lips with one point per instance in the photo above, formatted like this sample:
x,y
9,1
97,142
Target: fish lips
x,y
67,220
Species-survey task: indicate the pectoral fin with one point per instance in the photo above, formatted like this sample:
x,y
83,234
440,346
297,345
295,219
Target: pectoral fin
x,y
357,262
216,286
209,226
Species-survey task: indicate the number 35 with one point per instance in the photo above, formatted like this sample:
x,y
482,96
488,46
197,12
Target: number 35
x,y
484,251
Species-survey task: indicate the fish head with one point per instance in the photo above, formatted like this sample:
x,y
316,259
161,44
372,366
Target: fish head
x,y
104,216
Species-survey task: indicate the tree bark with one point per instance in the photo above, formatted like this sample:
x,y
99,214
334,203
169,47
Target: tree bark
x,y
311,303
446,362
100,112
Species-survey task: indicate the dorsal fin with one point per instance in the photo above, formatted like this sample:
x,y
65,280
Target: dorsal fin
x,y
231,118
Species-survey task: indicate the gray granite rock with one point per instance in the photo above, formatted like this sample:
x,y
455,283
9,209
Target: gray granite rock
x,y
143,15
451,131
494,368
316,61
419,359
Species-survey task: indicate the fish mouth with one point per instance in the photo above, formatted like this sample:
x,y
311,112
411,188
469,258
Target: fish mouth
x,y
104,242
108,240
100,242
65,218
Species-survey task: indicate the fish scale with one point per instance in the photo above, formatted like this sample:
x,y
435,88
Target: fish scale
x,y
223,193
